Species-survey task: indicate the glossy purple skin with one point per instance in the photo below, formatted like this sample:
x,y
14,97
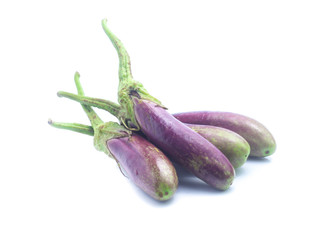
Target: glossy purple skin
x,y
183,144
261,141
145,165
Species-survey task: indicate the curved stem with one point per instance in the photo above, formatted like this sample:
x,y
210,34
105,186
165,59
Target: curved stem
x,y
75,127
124,58
92,115
111,107
127,85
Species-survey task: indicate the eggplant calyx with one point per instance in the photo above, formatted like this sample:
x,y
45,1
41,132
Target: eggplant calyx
x,y
106,132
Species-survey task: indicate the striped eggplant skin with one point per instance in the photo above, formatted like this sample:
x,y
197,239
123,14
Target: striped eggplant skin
x,y
231,144
146,166
183,145
261,141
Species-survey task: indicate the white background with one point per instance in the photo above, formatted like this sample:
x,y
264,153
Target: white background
x,y
257,58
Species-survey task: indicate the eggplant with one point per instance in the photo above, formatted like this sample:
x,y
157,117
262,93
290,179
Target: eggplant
x,y
146,113
231,144
144,164
183,144
138,110
261,141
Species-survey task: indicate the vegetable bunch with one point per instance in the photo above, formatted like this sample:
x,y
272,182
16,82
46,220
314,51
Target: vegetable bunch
x,y
211,145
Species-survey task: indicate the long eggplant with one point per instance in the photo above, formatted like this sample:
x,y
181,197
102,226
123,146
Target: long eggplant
x,y
183,144
146,113
145,165
261,141
141,111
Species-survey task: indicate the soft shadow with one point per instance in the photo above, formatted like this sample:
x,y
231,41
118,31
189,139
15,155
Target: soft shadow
x,y
240,171
259,159
247,168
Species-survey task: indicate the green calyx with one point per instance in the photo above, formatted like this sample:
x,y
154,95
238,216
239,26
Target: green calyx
x,y
107,131
127,90
128,87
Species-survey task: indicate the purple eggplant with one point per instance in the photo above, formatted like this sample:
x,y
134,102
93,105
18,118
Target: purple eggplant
x,y
138,110
183,144
146,113
144,164
261,141
231,144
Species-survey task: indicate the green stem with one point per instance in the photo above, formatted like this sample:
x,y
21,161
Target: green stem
x,y
124,58
75,127
128,87
92,115
111,107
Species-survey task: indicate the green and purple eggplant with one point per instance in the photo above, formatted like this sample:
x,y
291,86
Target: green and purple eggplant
x,y
141,111
231,144
144,164
261,141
